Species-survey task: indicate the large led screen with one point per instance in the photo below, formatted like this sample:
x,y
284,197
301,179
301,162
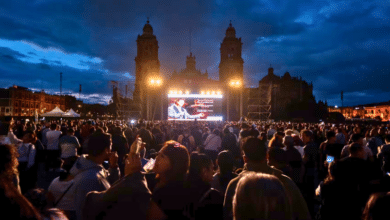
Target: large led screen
x,y
194,106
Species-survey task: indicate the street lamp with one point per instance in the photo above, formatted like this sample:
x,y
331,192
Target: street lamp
x,y
235,84
154,82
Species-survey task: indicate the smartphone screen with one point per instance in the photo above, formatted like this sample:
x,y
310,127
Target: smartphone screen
x,y
106,165
329,159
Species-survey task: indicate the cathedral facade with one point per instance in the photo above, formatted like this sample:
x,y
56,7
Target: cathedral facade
x,y
236,99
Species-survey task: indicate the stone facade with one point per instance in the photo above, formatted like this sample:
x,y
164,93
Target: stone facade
x,y
20,102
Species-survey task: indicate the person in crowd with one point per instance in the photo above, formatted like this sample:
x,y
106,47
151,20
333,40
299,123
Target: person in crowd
x,y
206,133
88,171
158,135
212,144
253,131
61,193
277,159
120,145
377,207
129,135
277,141
129,195
187,140
263,137
69,145
271,131
13,204
170,193
255,158
39,200
342,192
45,129
355,168
52,149
196,132
298,144
146,137
310,161
229,142
86,130
384,155
375,141
294,160
85,139
244,132
328,147
225,174
27,165
261,196
357,138
340,137
206,202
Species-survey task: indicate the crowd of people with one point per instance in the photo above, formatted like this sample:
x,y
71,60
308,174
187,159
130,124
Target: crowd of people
x,y
86,169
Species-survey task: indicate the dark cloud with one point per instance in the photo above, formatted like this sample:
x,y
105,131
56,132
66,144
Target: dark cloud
x,y
338,45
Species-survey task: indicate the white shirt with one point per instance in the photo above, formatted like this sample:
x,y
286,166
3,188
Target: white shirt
x,y
27,154
57,188
52,139
300,149
367,151
213,142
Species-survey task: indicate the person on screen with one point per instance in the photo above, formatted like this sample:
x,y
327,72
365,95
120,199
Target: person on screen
x,y
177,111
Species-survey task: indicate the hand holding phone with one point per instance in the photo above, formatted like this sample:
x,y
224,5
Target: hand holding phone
x,y
136,147
133,164
329,159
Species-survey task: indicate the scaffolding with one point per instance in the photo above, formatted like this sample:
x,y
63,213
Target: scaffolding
x,y
124,107
259,102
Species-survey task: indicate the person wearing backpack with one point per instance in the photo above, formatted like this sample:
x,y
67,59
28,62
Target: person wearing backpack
x,y
187,140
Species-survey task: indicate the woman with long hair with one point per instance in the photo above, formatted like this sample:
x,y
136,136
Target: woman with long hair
x,y
171,168
13,204
377,207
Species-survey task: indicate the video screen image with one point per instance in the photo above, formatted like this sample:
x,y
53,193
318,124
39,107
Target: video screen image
x,y
191,107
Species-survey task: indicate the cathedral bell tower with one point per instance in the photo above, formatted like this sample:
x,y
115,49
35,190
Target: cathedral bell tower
x,y
232,64
147,65
231,67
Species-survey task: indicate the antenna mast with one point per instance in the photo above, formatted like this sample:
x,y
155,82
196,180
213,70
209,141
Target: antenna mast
x,y
60,84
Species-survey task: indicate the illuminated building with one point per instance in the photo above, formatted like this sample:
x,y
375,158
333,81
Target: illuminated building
x,y
21,102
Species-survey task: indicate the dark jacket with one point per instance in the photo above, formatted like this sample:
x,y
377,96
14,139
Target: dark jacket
x,y
205,202
128,198
173,199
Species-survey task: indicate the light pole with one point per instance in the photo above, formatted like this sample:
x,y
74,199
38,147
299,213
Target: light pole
x,y
235,84
153,83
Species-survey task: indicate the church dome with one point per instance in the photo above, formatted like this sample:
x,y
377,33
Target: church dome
x,y
287,76
230,31
148,28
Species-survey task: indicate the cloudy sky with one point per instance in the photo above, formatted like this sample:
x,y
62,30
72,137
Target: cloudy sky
x,y
337,45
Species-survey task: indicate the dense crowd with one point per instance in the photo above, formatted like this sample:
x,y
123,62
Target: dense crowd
x,y
85,169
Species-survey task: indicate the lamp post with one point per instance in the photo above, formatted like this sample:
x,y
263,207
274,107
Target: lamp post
x,y
235,84
154,82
